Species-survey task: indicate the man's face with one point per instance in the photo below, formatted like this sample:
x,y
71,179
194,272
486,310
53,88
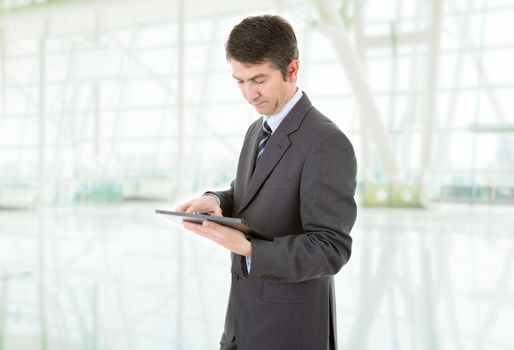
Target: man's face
x,y
263,84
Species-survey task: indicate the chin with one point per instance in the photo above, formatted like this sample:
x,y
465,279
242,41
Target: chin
x,y
261,111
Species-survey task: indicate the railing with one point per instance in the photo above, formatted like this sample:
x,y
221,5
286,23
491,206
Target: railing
x,y
480,194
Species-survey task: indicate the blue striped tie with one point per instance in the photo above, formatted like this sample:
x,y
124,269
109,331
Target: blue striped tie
x,y
263,138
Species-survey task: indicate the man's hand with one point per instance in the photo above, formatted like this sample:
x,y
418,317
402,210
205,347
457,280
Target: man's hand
x,y
204,204
227,237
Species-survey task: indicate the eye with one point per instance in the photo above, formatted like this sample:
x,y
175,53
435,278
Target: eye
x,y
259,81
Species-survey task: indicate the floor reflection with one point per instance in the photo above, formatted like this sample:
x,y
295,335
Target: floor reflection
x,y
123,278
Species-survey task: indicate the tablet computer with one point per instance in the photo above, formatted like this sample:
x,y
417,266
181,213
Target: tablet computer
x,y
236,223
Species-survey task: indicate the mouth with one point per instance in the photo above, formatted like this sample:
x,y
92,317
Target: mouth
x,y
260,104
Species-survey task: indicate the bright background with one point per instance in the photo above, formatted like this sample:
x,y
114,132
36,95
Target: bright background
x,y
111,109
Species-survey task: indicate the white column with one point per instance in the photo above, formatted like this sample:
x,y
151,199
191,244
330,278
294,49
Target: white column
x,y
180,170
180,96
42,117
42,190
2,71
96,102
96,92
429,117
4,280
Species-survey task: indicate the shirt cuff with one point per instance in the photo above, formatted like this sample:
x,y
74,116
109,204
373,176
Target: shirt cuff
x,y
248,263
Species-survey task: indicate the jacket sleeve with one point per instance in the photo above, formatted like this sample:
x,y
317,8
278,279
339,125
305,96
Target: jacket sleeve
x,y
328,212
226,199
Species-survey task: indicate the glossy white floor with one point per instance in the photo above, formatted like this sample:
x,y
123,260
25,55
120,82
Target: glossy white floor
x,y
122,278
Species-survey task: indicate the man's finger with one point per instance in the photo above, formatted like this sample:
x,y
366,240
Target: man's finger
x,y
191,209
183,207
198,229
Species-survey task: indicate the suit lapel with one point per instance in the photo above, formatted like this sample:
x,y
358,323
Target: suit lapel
x,y
249,161
275,149
277,145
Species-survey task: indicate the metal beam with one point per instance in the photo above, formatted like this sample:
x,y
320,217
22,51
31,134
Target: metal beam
x,y
366,166
122,83
399,39
335,30
467,42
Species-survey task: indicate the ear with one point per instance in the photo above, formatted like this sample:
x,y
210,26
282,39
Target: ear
x,y
292,70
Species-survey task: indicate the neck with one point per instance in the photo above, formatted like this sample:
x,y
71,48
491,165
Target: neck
x,y
289,95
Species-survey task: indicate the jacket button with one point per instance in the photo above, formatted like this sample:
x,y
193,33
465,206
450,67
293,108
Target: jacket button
x,y
235,277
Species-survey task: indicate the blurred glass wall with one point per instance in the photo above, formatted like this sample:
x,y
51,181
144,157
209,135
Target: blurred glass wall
x,y
91,109
110,109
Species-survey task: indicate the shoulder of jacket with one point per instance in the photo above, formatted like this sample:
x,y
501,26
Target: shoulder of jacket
x,y
316,122
255,125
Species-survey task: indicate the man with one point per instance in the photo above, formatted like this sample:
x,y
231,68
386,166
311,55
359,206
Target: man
x,y
295,181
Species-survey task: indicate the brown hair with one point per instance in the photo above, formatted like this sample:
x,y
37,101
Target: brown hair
x,y
261,38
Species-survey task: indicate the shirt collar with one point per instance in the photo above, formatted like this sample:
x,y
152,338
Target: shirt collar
x,y
275,119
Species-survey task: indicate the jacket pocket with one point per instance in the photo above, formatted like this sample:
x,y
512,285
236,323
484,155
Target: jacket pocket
x,y
290,293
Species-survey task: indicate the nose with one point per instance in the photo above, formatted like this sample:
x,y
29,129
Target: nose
x,y
250,92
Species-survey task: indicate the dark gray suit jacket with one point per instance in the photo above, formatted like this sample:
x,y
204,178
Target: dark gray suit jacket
x,y
302,194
